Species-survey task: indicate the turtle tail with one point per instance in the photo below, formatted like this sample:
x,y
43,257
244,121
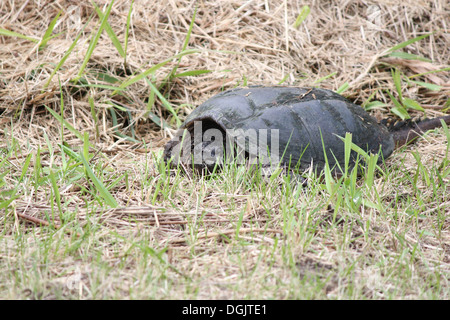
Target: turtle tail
x,y
405,132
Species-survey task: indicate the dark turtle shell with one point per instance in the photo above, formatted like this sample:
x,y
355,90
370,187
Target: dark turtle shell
x,y
307,120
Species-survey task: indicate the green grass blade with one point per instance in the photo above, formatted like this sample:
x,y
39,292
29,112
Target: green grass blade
x,y
25,167
301,17
326,170
398,108
421,168
283,79
324,78
105,194
401,112
407,43
72,154
370,172
185,44
191,73
86,145
369,99
66,123
94,116
100,86
429,86
61,110
164,102
37,169
5,157
94,41
360,152
447,132
151,98
157,120
66,55
408,56
191,25
6,203
112,35
347,151
153,69
13,195
7,33
446,160
49,145
398,84
48,33
116,123
429,72
155,194
2,176
374,104
411,104
342,88
102,76
56,194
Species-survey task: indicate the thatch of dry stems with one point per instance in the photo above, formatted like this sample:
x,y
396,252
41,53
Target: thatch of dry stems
x,y
238,40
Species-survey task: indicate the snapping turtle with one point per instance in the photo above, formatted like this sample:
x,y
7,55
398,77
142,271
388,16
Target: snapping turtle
x,y
283,125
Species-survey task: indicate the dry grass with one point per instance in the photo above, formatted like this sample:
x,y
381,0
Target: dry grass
x,y
233,236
